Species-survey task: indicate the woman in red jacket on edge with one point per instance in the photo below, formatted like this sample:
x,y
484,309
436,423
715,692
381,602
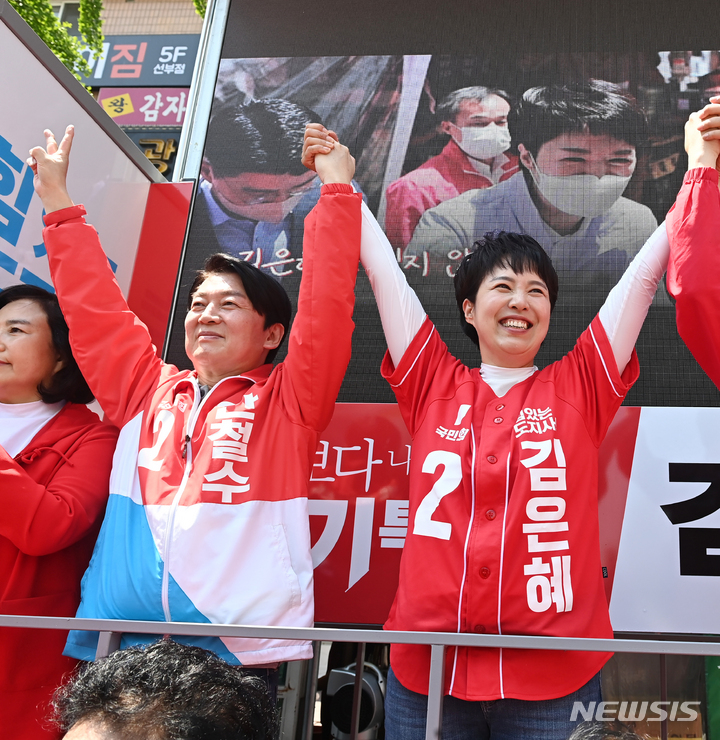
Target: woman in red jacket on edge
x,y
55,458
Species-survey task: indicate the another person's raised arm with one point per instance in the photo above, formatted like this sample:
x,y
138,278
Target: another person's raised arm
x,y
694,230
112,347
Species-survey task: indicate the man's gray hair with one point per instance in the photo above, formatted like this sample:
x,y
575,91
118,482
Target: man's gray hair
x,y
449,106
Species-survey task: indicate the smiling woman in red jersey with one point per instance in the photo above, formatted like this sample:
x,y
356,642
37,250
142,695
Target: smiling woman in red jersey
x,y
503,524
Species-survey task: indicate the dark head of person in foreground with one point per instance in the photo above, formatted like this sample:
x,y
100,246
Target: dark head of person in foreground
x,y
603,731
34,311
518,252
166,691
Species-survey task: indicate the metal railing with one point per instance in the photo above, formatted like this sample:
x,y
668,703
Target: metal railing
x,y
111,631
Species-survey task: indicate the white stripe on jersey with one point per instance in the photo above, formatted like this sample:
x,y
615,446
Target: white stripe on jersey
x,y
602,359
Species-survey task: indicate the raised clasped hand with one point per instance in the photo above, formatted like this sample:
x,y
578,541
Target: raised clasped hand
x,y
702,136
323,153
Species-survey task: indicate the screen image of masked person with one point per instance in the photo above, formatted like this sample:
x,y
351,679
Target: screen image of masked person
x,y
476,156
254,193
578,151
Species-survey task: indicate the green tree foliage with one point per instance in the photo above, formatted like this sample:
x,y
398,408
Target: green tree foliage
x,y
200,7
38,14
90,25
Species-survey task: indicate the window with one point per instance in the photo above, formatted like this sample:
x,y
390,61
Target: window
x,y
68,13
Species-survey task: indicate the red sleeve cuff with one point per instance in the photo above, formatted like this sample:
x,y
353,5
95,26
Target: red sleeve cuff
x,y
337,187
701,173
64,214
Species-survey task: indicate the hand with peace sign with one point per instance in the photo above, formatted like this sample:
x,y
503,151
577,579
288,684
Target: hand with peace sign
x,y
50,166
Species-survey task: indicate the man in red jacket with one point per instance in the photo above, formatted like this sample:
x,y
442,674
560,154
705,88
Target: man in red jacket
x,y
476,120
207,517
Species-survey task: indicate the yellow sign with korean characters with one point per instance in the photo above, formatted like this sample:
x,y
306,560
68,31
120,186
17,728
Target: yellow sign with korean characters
x,y
118,105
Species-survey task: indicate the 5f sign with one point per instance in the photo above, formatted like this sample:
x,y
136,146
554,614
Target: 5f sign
x,y
172,53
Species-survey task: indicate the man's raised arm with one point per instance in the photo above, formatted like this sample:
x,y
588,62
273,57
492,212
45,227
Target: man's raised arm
x,y
321,336
112,347
693,226
400,310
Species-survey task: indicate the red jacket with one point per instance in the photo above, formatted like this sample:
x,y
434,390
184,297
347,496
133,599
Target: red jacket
x,y
52,496
692,227
207,517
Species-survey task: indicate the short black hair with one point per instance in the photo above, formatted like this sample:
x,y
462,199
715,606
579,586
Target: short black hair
x,y
167,691
68,383
267,296
263,136
519,252
449,106
594,107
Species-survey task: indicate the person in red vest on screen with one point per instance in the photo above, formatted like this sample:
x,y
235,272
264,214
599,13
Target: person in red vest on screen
x,y
503,520
578,146
476,120
694,230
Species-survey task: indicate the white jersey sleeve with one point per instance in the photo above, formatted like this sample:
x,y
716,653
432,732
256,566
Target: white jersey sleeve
x,y
624,311
401,312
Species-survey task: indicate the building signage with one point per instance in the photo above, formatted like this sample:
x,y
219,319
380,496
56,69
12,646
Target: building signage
x,y
143,61
145,106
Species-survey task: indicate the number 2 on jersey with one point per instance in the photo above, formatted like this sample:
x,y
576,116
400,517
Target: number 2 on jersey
x,y
450,479
146,456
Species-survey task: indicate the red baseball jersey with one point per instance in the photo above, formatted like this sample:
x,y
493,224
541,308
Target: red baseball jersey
x,y
503,534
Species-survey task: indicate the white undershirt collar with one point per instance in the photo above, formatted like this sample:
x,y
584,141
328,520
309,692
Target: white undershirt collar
x,y
502,379
20,423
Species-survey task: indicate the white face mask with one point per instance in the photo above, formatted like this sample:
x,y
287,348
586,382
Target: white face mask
x,y
269,212
584,196
484,143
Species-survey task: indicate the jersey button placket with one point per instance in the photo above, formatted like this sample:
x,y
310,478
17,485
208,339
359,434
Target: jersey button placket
x,y
493,439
